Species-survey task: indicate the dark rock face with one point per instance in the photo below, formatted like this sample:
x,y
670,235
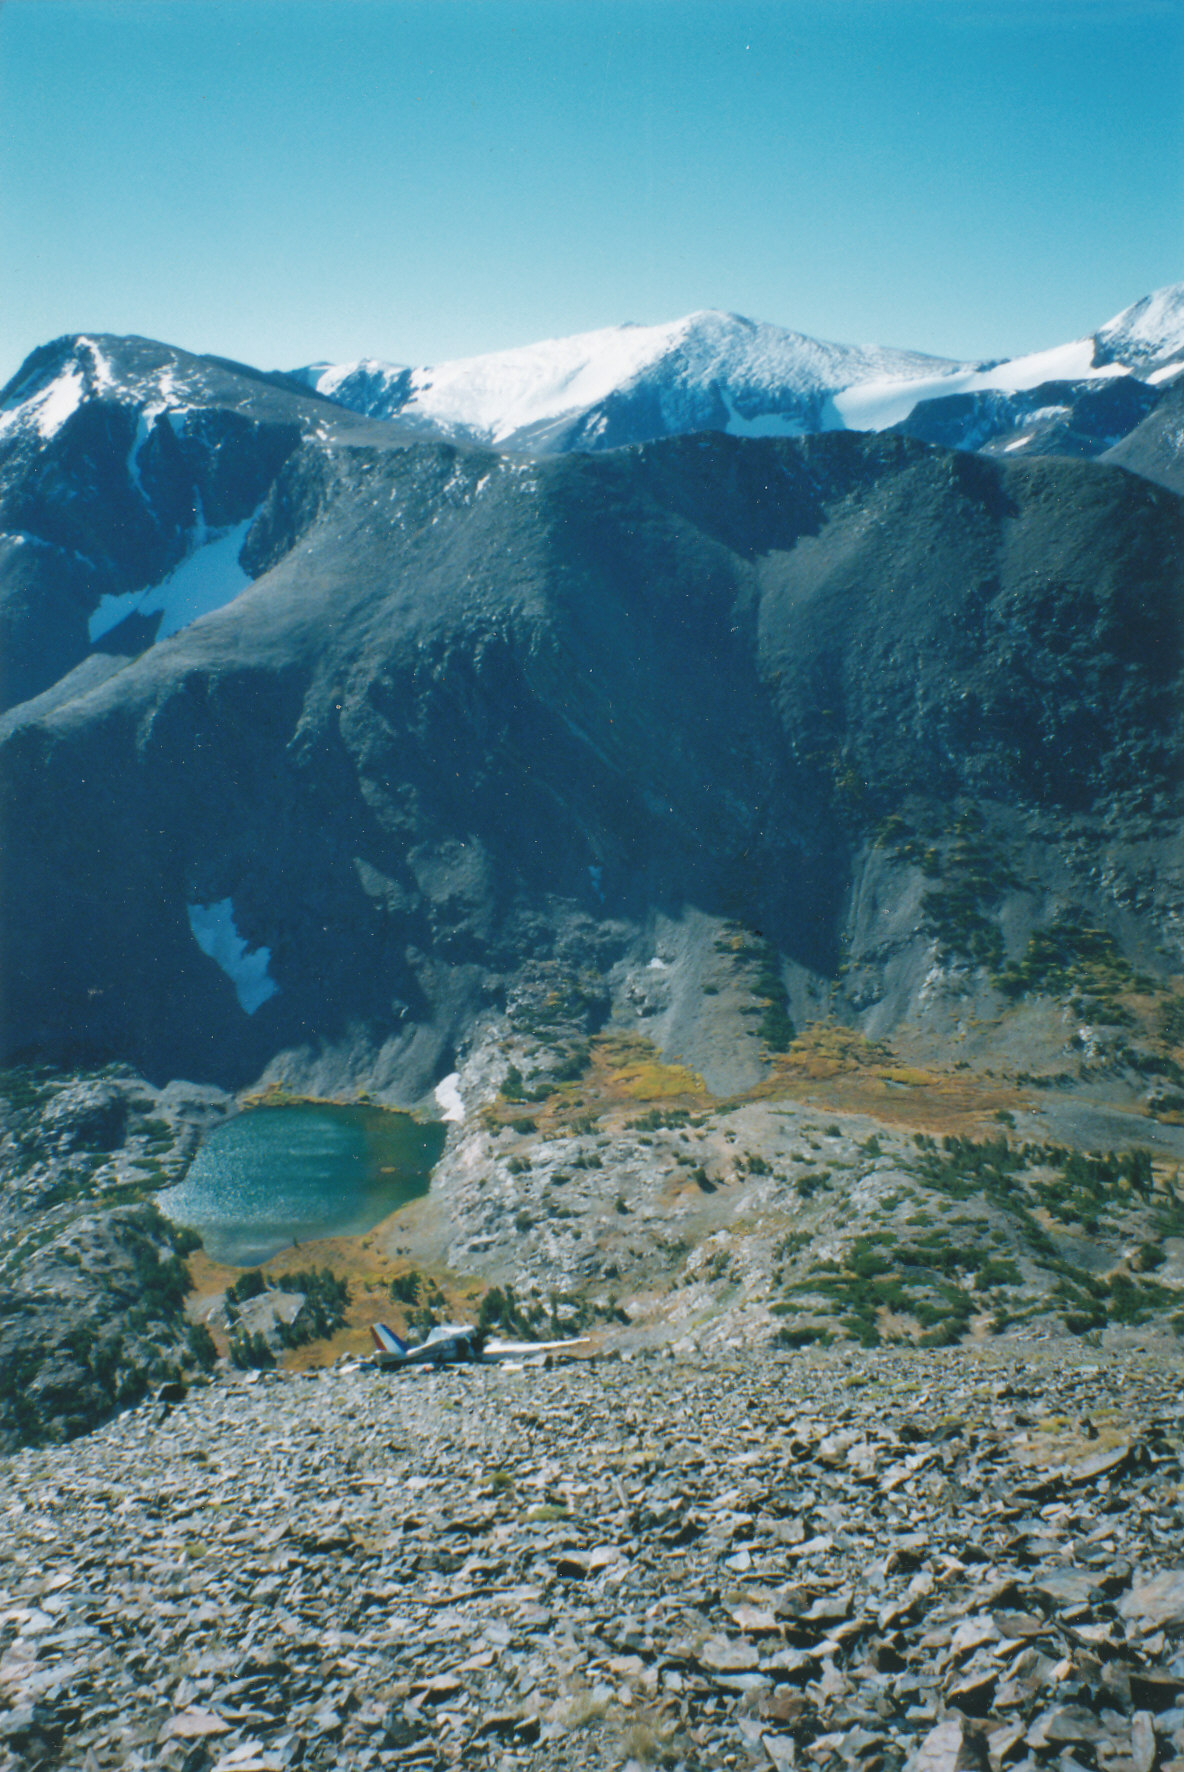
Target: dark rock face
x,y
472,706
89,1116
1155,448
92,1282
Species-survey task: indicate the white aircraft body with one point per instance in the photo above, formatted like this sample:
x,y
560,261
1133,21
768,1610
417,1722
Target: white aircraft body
x,y
450,1344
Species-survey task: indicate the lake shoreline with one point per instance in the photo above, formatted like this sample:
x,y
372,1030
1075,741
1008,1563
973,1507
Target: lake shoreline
x,y
280,1174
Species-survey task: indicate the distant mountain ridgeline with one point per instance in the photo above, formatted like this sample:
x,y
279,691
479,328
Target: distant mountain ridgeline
x,y
722,372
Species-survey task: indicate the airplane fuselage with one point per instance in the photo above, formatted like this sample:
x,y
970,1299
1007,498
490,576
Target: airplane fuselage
x,y
453,1344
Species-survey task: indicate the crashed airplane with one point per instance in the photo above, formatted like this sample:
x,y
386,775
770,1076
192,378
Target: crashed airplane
x,y
450,1344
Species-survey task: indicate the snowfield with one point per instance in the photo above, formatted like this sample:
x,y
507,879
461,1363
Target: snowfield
x,y
876,405
749,367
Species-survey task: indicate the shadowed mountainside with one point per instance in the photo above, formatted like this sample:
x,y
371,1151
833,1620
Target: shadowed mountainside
x,y
472,708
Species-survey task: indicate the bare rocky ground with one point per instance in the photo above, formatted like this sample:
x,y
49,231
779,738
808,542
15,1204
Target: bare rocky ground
x,y
866,1559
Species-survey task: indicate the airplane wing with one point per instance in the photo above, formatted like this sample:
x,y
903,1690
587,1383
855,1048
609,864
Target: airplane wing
x,y
522,1350
460,1342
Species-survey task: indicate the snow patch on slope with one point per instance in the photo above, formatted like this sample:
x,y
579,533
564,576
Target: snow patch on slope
x,y
506,391
206,579
878,404
326,378
215,933
60,399
448,1098
103,375
46,410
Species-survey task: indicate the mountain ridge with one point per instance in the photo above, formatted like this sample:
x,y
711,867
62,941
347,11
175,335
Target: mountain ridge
x,y
119,459
721,371
130,471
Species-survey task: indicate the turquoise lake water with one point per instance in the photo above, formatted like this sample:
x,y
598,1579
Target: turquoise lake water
x,y
276,1176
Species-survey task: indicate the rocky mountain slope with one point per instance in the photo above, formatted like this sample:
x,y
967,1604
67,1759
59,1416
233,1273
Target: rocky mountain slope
x,y
130,471
1155,448
120,460
472,711
92,1277
875,1559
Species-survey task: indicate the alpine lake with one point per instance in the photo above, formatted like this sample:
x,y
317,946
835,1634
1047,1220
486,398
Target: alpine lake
x,y
275,1177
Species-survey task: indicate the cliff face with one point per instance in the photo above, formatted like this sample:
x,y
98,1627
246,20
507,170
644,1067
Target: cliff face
x,y
473,709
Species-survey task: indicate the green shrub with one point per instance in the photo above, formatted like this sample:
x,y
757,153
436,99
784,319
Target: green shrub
x,y
201,1345
326,1299
812,1182
573,1064
997,1272
802,1335
501,1310
251,1351
1070,955
247,1286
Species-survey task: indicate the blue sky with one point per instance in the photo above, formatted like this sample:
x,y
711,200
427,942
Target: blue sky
x,y
286,180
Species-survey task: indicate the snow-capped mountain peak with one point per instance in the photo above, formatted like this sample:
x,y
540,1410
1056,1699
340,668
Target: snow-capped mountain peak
x,y
719,371
708,370
52,384
1148,337
130,472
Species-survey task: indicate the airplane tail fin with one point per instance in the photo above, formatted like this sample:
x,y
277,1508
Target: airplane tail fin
x,y
386,1341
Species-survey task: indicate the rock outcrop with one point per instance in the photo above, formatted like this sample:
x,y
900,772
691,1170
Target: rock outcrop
x,y
92,1321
